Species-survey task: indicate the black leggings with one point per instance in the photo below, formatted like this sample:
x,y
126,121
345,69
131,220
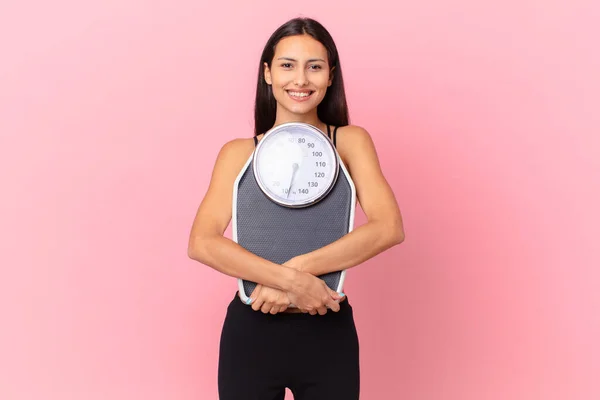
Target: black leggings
x,y
315,356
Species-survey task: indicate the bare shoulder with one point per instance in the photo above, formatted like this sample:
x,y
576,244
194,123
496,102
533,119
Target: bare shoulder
x,y
353,130
237,147
353,137
234,154
354,143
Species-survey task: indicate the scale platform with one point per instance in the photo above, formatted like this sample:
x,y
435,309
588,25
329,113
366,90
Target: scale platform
x,y
278,233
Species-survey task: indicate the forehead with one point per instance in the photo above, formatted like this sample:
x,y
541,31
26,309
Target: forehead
x,y
300,47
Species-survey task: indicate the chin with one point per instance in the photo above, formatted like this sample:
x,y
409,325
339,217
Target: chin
x,y
301,109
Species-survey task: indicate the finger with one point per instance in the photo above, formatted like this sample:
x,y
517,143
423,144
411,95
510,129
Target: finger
x,y
266,307
282,305
322,310
313,312
284,300
335,295
254,295
258,303
334,305
274,310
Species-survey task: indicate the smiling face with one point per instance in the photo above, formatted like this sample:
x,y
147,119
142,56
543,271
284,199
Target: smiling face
x,y
299,76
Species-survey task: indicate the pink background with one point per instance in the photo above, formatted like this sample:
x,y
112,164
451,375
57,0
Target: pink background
x,y
487,124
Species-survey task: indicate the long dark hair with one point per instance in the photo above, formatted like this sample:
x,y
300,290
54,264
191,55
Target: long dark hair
x,y
333,109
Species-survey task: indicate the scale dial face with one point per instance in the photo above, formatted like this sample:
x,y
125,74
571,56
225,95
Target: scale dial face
x,y
295,164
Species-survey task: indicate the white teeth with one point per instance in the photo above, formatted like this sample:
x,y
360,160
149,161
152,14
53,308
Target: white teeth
x,y
298,94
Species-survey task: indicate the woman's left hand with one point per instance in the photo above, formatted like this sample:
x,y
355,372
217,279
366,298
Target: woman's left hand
x,y
269,300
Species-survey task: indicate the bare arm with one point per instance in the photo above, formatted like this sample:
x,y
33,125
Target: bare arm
x,y
207,243
384,228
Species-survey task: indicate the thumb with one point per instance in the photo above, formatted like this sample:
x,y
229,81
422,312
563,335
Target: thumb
x,y
254,294
335,295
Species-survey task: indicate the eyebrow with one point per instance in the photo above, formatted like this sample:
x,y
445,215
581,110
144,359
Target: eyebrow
x,y
291,59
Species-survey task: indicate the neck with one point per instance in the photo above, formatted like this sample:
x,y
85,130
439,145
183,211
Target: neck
x,y
284,116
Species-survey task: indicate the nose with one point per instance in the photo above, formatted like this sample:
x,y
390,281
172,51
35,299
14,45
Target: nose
x,y
300,79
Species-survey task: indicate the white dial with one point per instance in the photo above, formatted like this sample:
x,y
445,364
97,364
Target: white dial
x,y
295,164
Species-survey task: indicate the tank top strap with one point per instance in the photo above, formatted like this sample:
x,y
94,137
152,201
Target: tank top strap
x,y
334,136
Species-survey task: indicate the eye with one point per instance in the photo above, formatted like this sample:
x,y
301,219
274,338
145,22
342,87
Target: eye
x,y
286,65
316,67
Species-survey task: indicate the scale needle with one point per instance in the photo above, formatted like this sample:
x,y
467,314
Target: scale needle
x,y
294,168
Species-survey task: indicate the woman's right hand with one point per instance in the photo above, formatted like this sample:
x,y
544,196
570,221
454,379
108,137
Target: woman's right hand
x,y
269,300
312,295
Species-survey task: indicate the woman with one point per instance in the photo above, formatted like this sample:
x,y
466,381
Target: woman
x,y
267,346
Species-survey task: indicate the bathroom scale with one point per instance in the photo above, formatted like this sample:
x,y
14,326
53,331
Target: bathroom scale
x,y
294,195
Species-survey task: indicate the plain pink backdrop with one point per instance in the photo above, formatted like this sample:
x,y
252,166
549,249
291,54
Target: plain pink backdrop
x,y
485,115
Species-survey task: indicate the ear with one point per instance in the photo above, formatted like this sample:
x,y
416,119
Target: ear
x,y
330,77
267,74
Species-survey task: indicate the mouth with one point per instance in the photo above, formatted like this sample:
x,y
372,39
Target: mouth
x,y
300,95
